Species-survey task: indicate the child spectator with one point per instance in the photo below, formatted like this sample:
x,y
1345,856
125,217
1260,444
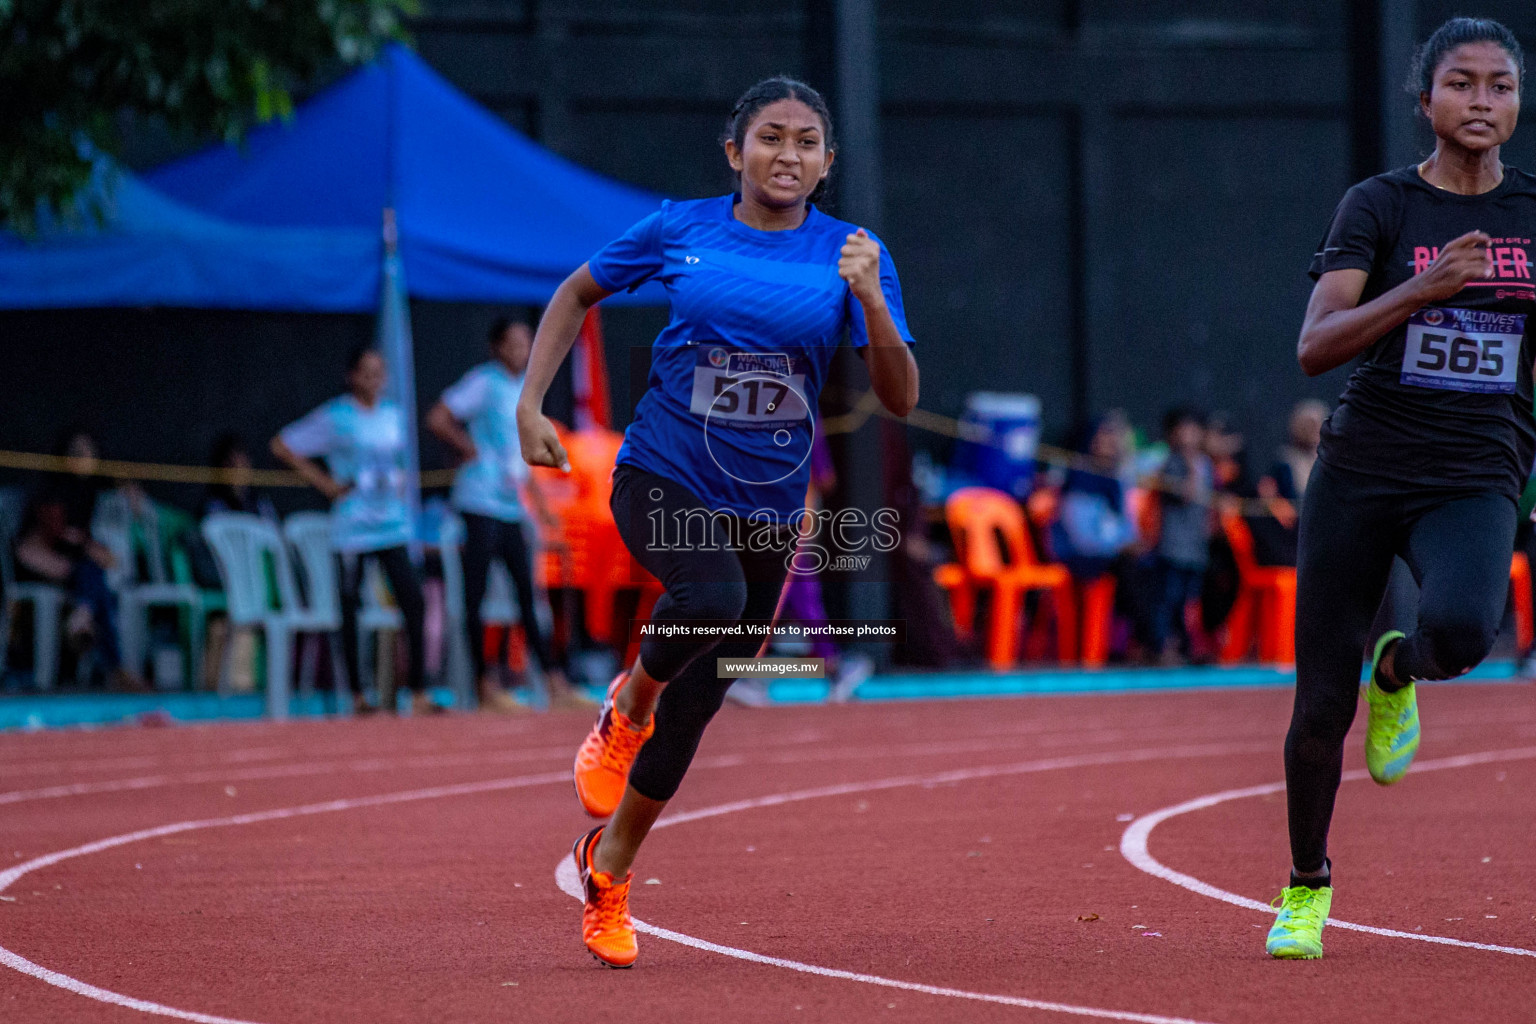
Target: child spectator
x,y
235,494
1185,485
1274,535
1093,526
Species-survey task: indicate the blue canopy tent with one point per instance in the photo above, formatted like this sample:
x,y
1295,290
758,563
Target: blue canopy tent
x,y
293,220
148,250
469,208
483,213
387,185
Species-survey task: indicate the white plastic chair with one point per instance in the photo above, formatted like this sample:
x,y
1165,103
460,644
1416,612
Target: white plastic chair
x,y
375,615
47,603
137,597
497,608
310,535
242,543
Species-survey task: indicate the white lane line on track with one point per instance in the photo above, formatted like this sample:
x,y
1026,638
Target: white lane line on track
x,y
376,764
473,759
373,764
19,963
1133,847
570,883
9,877
964,775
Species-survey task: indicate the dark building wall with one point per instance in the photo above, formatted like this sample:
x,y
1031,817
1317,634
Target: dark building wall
x,y
1104,202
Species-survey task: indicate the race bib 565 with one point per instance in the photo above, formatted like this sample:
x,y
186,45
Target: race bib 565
x,y
1463,350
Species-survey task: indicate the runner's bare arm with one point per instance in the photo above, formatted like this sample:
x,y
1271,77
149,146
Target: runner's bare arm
x,y
557,333
892,370
1337,328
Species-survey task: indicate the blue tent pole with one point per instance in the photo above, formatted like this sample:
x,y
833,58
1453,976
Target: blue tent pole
x,y
394,340
394,326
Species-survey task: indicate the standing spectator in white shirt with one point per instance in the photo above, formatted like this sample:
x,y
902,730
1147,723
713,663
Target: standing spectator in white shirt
x,y
477,416
362,437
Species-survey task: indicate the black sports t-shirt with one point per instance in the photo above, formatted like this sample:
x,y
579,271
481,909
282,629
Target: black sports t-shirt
x,y
1443,400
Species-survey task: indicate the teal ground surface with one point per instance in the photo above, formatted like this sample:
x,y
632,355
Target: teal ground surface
x,y
64,710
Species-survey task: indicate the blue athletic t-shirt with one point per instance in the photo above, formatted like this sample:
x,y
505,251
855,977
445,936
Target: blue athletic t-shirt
x,y
756,317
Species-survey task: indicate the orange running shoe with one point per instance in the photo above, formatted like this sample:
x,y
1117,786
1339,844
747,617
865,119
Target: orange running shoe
x,y
605,756
606,926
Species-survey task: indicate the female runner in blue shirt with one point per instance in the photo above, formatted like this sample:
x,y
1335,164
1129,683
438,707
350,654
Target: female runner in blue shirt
x,y
761,285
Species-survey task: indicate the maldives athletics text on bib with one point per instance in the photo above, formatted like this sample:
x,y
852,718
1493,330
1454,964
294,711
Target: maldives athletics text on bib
x,y
1463,350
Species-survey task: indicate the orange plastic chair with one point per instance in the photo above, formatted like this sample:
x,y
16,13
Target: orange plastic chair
x,y
997,556
956,583
1095,598
1266,602
1148,513
1098,605
1520,587
590,556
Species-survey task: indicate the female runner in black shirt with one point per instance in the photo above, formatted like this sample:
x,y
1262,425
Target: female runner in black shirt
x,y
1426,275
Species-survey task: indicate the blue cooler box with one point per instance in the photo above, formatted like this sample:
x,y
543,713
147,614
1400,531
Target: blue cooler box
x,y
1000,434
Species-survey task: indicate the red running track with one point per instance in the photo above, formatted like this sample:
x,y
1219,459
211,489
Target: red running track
x,y
945,861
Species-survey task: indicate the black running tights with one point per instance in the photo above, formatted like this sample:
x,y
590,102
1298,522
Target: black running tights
x,y
715,578
1457,544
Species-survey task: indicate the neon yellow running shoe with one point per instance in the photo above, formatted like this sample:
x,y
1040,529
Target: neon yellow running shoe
x,y
1392,729
1298,930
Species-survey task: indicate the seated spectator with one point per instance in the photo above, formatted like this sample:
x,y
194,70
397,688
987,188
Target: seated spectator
x,y
54,545
1227,449
1293,465
1228,452
1281,488
1095,531
235,494
1093,526
1185,486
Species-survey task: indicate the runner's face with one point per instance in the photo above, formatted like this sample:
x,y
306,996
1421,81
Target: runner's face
x,y
784,155
1475,101
367,379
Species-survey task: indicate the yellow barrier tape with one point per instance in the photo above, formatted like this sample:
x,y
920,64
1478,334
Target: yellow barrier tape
x,y
868,404
168,473
865,406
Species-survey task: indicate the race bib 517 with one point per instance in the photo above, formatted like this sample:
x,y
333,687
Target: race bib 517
x,y
1463,350
747,389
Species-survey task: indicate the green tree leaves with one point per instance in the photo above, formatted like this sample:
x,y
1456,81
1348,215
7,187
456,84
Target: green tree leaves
x,y
70,69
